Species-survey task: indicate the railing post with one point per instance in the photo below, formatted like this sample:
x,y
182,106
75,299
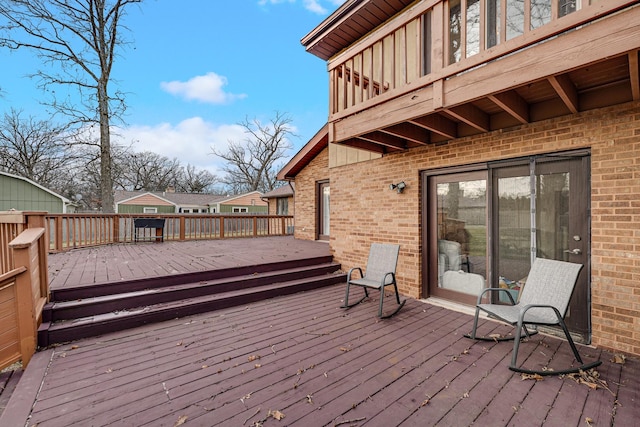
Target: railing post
x,y
115,238
183,223
255,226
221,227
283,230
26,248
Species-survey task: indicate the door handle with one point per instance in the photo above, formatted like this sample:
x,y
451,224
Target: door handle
x,y
573,251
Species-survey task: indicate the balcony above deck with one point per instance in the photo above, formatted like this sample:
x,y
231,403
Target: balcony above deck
x,y
421,76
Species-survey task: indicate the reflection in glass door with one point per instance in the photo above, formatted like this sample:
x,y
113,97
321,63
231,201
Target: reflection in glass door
x,y
460,212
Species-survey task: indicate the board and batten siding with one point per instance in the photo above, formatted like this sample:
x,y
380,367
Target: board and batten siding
x,y
22,195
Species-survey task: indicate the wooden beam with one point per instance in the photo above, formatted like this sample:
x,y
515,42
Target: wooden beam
x,y
513,104
471,115
387,140
438,124
364,145
566,90
410,132
634,74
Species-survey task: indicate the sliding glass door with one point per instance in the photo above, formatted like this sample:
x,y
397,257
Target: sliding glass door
x,y
485,228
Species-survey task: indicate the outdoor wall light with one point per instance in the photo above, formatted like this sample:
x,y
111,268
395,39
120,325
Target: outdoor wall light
x,y
399,187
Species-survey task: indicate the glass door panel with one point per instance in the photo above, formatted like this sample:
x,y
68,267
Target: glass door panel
x,y
513,225
460,212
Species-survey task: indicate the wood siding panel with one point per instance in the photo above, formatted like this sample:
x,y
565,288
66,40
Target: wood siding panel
x,y
24,196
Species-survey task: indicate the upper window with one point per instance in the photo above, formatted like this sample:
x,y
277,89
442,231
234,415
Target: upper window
x,y
149,210
240,209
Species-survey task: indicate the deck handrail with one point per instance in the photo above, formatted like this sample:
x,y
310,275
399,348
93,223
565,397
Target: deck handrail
x,y
390,61
79,230
24,290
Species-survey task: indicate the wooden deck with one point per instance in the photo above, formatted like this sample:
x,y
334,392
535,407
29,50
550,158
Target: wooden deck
x,y
112,263
305,359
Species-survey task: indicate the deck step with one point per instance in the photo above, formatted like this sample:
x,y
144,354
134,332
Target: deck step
x,y
65,310
70,320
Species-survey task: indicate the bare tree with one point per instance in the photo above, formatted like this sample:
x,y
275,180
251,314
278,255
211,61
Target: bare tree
x,y
35,149
148,171
192,180
77,41
251,163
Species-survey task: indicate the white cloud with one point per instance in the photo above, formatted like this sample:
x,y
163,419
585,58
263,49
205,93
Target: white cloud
x,y
315,6
208,88
190,141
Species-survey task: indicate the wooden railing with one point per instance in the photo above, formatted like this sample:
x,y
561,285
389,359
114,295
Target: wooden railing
x,y
70,231
437,39
24,285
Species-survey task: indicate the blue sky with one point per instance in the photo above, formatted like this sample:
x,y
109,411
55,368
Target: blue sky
x,y
195,68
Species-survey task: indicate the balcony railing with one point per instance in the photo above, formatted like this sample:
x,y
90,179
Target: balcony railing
x,y
434,40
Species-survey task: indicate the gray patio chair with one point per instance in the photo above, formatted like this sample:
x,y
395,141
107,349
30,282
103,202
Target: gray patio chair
x,y
543,301
380,272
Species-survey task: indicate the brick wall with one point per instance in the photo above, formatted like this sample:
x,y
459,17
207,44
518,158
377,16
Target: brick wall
x,y
363,209
305,198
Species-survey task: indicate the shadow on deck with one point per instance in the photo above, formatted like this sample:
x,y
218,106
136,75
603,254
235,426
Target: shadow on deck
x,y
303,358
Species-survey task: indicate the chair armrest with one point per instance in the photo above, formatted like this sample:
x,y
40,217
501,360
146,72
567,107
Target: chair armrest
x,y
498,290
351,271
524,309
384,279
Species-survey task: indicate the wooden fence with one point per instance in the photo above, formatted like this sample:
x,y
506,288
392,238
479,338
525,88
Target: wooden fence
x,y
24,284
70,231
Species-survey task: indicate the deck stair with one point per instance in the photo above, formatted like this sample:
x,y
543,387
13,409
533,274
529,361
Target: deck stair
x,y
85,311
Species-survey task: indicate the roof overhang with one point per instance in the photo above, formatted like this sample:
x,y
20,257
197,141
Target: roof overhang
x,y
307,153
349,23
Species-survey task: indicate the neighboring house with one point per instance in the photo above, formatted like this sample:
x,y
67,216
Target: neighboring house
x,y
280,200
514,135
22,194
170,202
250,203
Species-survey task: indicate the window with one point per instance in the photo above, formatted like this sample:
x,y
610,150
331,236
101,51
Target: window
x,y
493,23
237,209
283,206
149,210
455,32
473,28
426,43
515,18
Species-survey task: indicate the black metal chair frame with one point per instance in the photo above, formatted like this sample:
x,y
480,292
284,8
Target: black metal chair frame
x,y
380,272
518,314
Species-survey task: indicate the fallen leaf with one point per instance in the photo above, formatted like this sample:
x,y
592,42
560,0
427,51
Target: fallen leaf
x,y
254,357
620,359
74,347
466,394
179,344
257,365
345,349
425,402
275,414
181,421
589,421
205,366
309,398
536,377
